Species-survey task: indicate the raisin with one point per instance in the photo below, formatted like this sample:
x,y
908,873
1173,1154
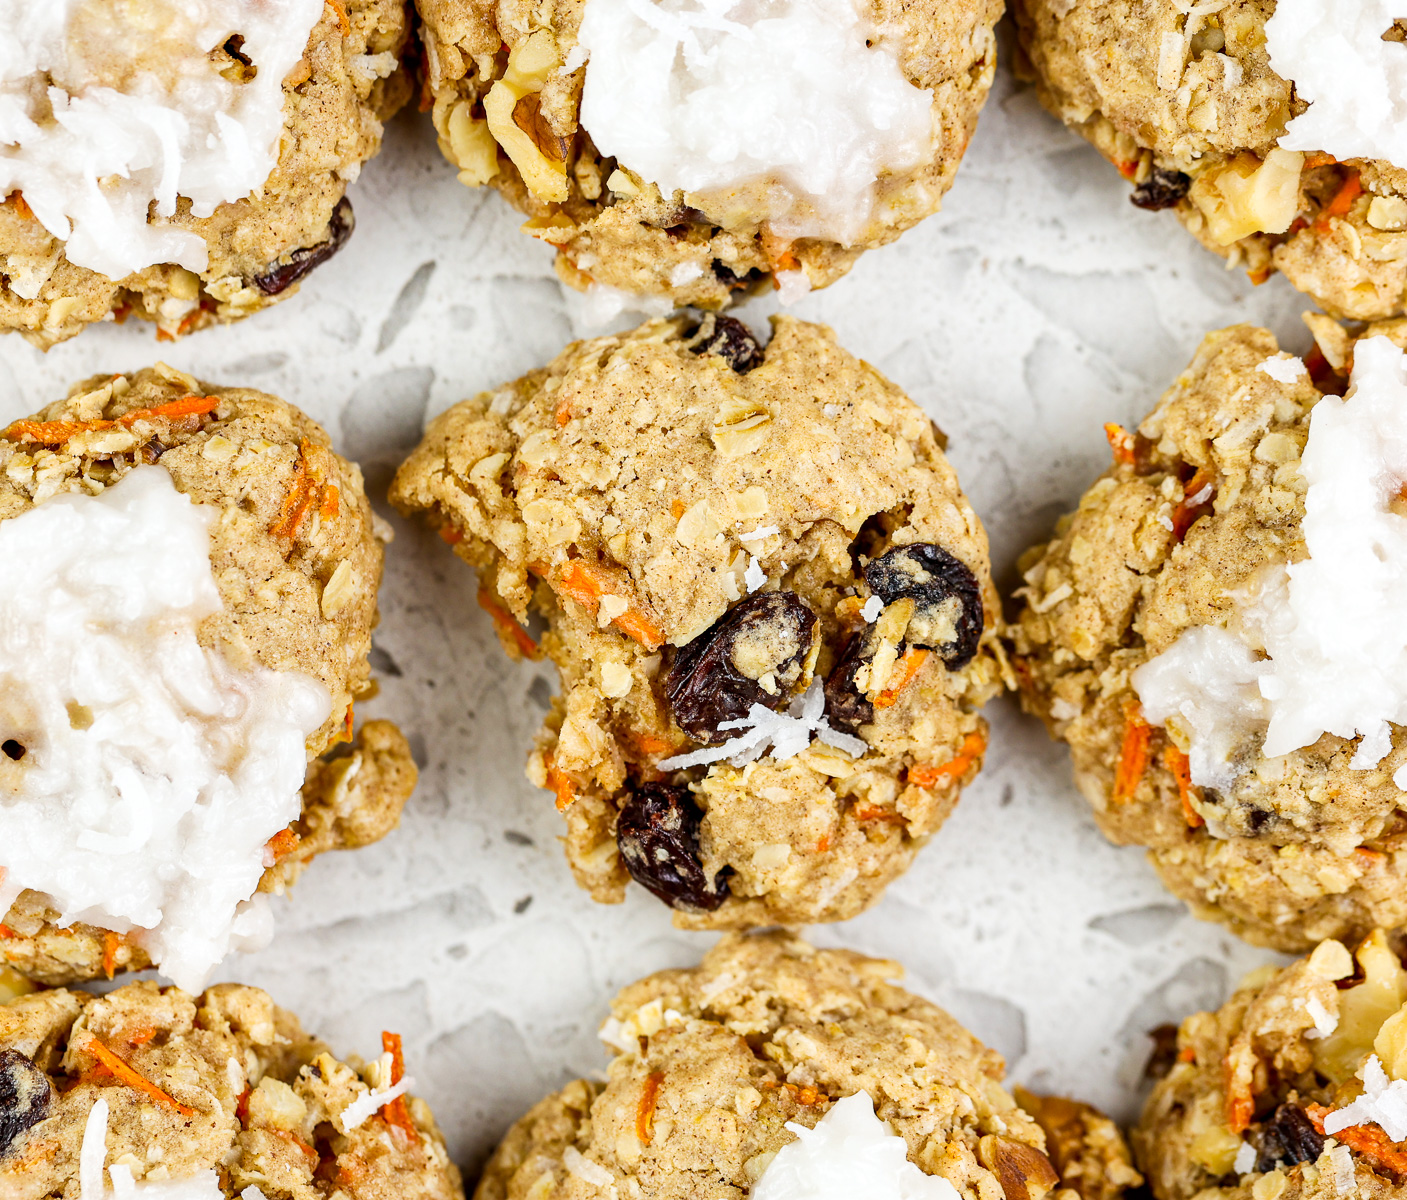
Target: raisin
x,y
283,275
731,340
658,836
25,1097
1164,1053
846,707
948,612
754,654
12,749
1302,1142
726,275
1162,189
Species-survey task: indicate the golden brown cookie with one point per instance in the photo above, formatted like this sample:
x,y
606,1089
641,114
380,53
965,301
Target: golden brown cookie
x,y
1186,104
336,98
608,224
222,1091
728,543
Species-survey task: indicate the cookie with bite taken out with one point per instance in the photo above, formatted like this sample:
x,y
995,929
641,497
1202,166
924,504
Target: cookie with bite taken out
x,y
767,597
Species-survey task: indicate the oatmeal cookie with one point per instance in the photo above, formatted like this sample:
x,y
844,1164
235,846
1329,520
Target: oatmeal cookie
x,y
295,555
730,545
718,1065
347,83
1178,546
1186,103
222,1092
1253,1104
507,89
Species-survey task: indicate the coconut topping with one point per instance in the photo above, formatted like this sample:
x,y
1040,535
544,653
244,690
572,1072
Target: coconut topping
x,y
110,112
849,1153
93,1153
1320,644
143,773
357,1112
1336,56
801,102
788,733
1383,1102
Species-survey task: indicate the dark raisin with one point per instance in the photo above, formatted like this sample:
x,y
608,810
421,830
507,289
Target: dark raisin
x,y
948,612
720,675
846,707
726,275
283,275
731,340
25,1097
1164,1052
1162,189
12,749
658,836
1302,1142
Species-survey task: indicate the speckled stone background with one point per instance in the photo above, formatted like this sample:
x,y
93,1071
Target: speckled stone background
x,y
1038,305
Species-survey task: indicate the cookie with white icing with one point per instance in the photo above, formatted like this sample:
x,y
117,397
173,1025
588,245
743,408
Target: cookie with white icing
x,y
1272,130
155,1092
705,151
184,627
1217,632
767,596
776,1071
185,163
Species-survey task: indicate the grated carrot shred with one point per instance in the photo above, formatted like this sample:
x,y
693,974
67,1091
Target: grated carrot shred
x,y
1177,763
22,206
131,1077
451,536
561,784
1238,1071
583,584
307,495
112,942
7,932
647,743
1259,276
1318,159
872,812
564,411
1187,1054
1348,192
1187,513
340,10
1120,442
505,623
1128,168
926,775
1133,754
645,1113
908,667
1367,1140
396,1113
56,433
282,844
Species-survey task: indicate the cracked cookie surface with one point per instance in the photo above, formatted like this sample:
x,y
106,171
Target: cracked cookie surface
x,y
714,533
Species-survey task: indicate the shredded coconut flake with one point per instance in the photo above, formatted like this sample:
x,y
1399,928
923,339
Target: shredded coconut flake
x,y
1334,625
754,576
154,771
873,607
102,117
585,1169
792,286
849,1153
1245,1159
1334,52
1345,1180
788,733
357,1112
252,1193
801,101
1171,56
1383,1103
1284,368
1325,1022
91,1154
763,531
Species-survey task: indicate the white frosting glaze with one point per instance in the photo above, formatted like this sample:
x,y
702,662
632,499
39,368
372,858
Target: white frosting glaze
x,y
709,96
849,1153
153,771
135,113
1333,626
1356,83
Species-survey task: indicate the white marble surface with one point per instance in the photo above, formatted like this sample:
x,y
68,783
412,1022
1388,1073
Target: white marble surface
x,y
1037,306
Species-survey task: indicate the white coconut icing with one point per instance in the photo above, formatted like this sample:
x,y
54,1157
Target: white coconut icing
x,y
151,771
1321,644
711,96
109,111
1356,83
849,1153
